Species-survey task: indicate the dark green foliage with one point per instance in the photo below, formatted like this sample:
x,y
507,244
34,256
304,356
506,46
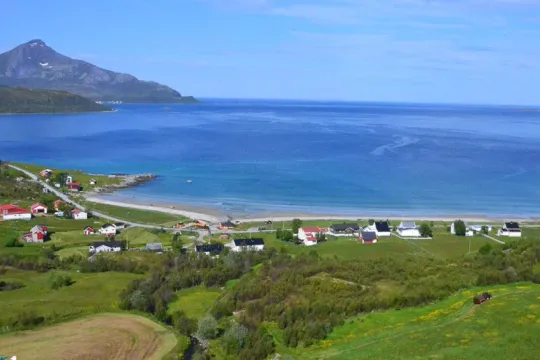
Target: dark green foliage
x,y
13,242
5,286
484,230
21,100
321,237
485,249
425,230
296,224
26,320
177,242
460,228
183,324
235,338
58,280
207,328
284,235
371,221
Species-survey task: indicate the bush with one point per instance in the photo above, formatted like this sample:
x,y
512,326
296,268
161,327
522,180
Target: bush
x,y
13,242
425,230
235,338
58,281
208,328
4,286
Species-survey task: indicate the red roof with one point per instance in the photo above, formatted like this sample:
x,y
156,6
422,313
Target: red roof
x,y
75,183
57,202
11,209
311,229
76,211
37,205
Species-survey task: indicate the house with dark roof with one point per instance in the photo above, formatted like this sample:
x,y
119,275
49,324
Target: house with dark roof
x,y
209,249
382,228
227,225
368,237
119,225
106,246
256,244
343,229
510,229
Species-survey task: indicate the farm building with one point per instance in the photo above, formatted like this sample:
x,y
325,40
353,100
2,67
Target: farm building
x,y
38,208
77,214
36,235
106,246
343,229
408,229
89,230
227,225
12,212
74,186
308,235
368,237
247,245
510,229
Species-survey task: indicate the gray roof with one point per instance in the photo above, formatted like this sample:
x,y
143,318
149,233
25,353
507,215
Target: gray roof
x,y
154,246
407,225
369,235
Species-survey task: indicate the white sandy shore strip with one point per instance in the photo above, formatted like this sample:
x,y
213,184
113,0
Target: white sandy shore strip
x,y
213,215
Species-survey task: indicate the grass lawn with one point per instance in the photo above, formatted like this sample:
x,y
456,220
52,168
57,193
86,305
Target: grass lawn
x,y
195,302
67,252
505,327
136,215
91,293
121,336
77,175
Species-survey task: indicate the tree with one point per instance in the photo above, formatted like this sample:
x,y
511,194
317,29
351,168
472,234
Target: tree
x,y
425,230
183,324
235,338
371,221
296,224
485,249
60,178
208,328
460,228
320,237
177,242
287,235
484,229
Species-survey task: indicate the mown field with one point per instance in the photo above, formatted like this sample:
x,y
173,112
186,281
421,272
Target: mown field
x,y
505,327
136,215
104,336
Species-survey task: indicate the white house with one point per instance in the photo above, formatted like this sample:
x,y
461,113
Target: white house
x,y
108,230
510,229
468,230
408,229
478,228
382,228
247,245
106,246
308,235
79,215
12,212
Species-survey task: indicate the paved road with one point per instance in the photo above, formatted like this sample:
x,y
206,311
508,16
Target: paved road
x,y
201,233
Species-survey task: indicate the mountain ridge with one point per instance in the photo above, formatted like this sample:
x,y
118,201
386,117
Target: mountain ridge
x,y
36,65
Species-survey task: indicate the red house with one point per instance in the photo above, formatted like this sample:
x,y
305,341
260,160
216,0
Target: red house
x,y
368,237
74,186
38,208
37,234
89,231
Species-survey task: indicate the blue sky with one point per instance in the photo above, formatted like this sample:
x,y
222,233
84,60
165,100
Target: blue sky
x,y
461,51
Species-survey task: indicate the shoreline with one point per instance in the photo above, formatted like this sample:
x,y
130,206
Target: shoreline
x,y
62,113
214,215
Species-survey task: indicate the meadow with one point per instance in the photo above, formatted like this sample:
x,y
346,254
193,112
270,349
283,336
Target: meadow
x,y
136,215
120,336
504,327
195,302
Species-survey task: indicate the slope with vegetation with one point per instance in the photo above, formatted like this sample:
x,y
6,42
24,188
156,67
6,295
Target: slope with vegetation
x,y
26,101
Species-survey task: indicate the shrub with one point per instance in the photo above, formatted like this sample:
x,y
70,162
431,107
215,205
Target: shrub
x,y
425,230
208,328
460,228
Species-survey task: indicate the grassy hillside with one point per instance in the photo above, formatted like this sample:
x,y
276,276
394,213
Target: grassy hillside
x,y
22,100
502,328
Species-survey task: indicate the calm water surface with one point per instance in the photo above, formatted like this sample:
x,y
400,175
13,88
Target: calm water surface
x,y
283,156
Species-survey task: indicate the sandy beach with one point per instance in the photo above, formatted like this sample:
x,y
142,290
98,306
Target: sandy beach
x,y
213,215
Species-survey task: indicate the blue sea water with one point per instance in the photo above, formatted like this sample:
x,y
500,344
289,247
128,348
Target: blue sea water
x,y
254,156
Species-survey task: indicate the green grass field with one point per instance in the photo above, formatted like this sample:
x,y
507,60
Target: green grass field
x,y
91,293
195,302
136,215
505,327
77,175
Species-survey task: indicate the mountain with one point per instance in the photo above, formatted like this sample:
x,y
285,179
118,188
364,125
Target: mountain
x,y
36,65
21,100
